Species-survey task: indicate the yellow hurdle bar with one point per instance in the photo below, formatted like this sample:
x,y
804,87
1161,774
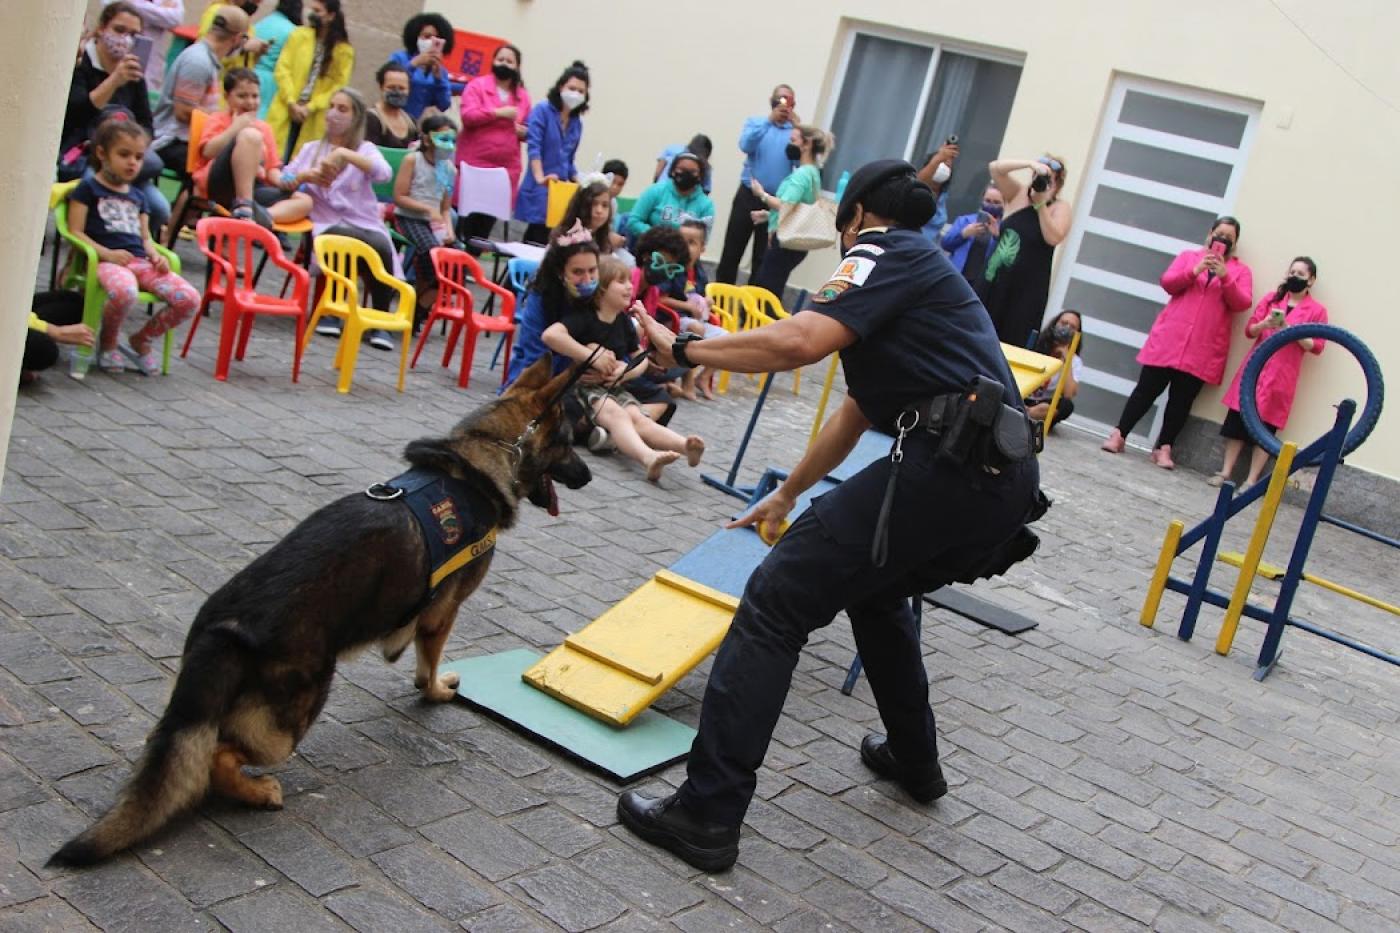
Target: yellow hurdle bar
x,y
1159,576
1249,567
1273,572
826,396
1060,386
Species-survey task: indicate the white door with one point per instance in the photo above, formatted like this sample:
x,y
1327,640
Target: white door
x,y
1168,161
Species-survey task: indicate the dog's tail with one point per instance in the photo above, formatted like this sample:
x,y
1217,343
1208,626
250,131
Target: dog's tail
x,y
173,773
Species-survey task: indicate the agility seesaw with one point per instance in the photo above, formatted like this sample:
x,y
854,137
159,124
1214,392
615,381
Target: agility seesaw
x,y
1325,453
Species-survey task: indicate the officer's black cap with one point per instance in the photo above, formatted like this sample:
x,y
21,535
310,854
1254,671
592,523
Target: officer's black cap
x,y
868,177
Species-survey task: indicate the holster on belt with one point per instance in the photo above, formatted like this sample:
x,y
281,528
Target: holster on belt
x,y
977,428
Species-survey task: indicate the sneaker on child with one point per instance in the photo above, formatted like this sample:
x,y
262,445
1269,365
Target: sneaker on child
x,y
380,340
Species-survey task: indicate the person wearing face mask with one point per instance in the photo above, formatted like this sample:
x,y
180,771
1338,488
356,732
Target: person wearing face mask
x,y
809,147
1290,304
387,123
423,201
700,145
158,17
274,29
1054,340
316,61
495,108
193,83
943,507
971,238
337,173
427,41
764,141
565,281
552,136
937,173
1189,342
673,199
1015,285
107,79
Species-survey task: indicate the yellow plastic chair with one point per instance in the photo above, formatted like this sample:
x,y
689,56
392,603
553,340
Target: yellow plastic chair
x,y
339,258
79,275
767,309
560,194
727,302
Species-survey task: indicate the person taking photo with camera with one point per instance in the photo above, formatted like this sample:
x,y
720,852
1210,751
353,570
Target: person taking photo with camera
x,y
1015,285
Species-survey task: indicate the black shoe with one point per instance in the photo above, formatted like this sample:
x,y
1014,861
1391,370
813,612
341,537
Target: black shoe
x,y
662,822
924,783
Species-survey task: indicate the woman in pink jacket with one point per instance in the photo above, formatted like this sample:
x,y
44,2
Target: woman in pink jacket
x,y
1292,303
1190,340
495,107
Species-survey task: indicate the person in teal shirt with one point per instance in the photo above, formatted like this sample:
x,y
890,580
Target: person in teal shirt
x,y
274,30
674,199
808,146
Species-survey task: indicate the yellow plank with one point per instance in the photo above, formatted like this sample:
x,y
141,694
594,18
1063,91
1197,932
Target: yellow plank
x,y
1159,576
1032,370
615,667
1273,572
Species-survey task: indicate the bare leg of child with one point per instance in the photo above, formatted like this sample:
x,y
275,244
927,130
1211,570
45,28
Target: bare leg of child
x,y
706,381
688,385
621,425
663,438
289,210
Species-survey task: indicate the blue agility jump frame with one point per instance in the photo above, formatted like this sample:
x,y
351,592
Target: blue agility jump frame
x,y
1326,454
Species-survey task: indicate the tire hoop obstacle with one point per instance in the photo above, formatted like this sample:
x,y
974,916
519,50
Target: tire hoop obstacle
x,y
1375,385
1347,434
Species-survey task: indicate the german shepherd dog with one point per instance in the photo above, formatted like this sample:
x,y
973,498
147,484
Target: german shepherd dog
x,y
258,661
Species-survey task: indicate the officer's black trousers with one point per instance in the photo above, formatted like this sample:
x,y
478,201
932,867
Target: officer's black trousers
x,y
822,566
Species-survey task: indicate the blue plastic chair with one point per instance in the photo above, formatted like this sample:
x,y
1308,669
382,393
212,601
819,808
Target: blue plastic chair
x,y
519,272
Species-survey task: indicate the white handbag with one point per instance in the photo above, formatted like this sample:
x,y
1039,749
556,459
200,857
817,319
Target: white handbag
x,y
807,226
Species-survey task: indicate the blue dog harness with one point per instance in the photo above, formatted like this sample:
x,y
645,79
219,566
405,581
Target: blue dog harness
x,y
452,516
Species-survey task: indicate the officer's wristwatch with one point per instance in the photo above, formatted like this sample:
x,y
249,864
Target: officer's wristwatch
x,y
678,349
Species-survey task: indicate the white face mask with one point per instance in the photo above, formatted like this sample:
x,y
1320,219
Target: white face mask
x,y
425,45
572,99
942,173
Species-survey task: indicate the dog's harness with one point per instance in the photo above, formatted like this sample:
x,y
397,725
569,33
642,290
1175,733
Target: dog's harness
x,y
453,517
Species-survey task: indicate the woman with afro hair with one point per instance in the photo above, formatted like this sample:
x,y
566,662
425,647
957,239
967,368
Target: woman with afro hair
x,y
427,41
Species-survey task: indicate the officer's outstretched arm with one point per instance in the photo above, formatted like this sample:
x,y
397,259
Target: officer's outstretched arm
x,y
837,439
804,338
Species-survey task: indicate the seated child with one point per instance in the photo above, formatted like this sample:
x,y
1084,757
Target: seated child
x,y
661,256
238,161
687,298
423,201
107,212
604,401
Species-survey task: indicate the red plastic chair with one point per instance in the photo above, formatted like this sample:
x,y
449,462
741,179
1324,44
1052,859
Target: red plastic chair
x,y
229,245
455,271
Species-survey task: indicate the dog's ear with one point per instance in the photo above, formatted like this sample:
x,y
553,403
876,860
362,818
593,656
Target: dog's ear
x,y
534,376
438,453
550,391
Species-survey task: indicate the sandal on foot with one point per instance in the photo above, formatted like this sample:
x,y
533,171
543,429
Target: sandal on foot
x,y
148,362
111,361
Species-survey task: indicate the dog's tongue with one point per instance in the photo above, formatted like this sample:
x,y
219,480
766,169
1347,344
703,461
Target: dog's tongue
x,y
553,508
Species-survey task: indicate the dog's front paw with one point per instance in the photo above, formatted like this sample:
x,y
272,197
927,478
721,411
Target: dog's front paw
x,y
268,794
442,688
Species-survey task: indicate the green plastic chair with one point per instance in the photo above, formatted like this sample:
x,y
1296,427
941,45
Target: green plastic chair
x,y
384,191
82,262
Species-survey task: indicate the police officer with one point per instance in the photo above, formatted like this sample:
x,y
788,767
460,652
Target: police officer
x,y
912,337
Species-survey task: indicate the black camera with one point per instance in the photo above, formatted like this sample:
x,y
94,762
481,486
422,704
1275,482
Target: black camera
x,y
1041,182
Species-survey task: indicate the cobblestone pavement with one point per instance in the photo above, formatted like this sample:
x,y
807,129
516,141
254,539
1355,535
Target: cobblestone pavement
x,y
1105,776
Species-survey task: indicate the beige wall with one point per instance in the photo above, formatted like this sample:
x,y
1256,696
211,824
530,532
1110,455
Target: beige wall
x,y
35,64
1320,179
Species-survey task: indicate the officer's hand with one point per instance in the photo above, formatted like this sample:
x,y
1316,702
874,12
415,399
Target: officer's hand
x,y
658,336
768,515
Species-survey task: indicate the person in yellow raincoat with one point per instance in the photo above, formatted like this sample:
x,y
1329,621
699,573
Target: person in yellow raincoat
x,y
314,64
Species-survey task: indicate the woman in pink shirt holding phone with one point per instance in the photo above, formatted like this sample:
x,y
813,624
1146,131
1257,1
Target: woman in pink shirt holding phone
x,y
1291,303
1190,340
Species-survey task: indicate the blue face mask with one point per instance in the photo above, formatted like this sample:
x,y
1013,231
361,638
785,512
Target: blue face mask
x,y
583,289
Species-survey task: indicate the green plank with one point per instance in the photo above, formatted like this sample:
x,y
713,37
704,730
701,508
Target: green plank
x,y
492,684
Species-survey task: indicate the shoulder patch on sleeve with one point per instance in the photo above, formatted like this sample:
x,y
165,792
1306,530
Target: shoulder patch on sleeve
x,y
870,248
830,292
853,269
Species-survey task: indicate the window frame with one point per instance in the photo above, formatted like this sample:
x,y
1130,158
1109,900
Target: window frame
x,y
936,45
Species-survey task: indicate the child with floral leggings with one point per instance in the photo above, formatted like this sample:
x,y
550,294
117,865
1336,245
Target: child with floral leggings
x,y
108,212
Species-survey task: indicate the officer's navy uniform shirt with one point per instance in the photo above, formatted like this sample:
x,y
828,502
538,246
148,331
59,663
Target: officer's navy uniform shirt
x,y
921,330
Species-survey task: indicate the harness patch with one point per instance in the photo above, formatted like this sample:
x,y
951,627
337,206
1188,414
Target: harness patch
x,y
453,517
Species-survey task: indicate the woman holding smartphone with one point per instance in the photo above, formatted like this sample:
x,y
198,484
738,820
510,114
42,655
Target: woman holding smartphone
x,y
1291,303
1190,340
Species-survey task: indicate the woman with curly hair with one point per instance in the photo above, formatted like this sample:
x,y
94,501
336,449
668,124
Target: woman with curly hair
x,y
427,40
